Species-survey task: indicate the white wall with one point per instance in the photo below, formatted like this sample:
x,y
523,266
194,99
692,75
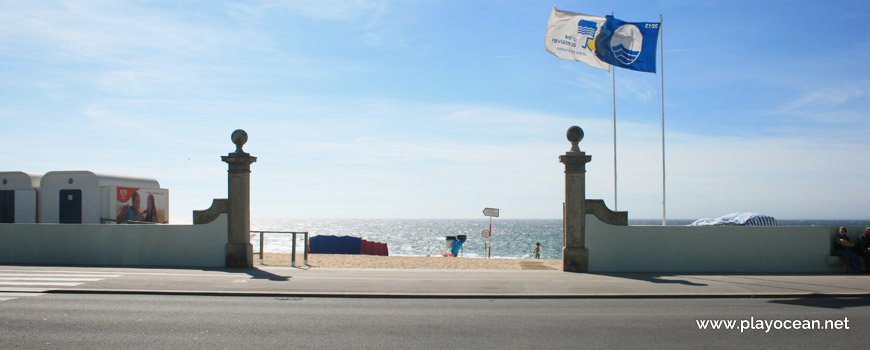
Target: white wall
x,y
707,249
119,245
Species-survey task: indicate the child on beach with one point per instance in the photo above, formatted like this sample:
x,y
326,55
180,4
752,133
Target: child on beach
x,y
538,250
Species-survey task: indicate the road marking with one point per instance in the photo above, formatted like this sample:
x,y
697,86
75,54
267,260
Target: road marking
x,y
55,279
124,273
27,294
31,281
28,290
58,271
13,296
57,284
55,275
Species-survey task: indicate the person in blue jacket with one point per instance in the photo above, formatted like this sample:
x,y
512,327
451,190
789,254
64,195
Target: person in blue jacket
x,y
844,248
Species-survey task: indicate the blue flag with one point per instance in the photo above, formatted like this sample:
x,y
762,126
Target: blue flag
x,y
628,45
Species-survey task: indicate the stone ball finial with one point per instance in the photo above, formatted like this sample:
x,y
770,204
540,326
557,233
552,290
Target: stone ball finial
x,y
239,137
575,134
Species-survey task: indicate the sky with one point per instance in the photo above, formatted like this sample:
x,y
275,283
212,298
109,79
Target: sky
x,y
438,109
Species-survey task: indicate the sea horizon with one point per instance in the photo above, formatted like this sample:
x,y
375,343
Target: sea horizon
x,y
511,238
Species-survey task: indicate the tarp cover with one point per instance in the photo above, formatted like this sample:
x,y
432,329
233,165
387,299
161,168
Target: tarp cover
x,y
738,219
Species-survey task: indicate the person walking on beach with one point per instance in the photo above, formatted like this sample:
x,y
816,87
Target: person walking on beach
x,y
538,250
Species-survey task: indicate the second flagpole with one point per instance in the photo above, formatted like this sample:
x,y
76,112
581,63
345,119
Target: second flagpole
x,y
662,76
613,85
613,95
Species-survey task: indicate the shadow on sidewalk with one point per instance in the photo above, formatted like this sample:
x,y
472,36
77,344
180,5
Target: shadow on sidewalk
x,y
826,302
260,274
655,278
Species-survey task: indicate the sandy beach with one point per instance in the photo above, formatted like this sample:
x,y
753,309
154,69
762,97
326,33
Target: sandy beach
x,y
408,262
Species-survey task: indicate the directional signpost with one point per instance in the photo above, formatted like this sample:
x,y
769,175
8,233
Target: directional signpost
x,y
487,248
490,212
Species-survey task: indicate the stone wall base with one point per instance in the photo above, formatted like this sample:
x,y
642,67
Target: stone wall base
x,y
240,255
575,260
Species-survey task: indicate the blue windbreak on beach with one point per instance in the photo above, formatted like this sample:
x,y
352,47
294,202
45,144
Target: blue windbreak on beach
x,y
335,245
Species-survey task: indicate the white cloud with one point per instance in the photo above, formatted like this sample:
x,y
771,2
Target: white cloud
x,y
124,81
707,176
590,82
790,177
819,101
341,10
109,30
366,158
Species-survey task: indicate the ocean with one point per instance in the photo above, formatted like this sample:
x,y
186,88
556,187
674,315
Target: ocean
x,y
511,238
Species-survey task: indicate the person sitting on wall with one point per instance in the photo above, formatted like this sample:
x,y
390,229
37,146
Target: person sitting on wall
x,y
843,247
131,212
864,246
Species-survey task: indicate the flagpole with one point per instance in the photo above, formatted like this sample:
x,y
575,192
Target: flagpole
x,y
613,95
662,76
613,85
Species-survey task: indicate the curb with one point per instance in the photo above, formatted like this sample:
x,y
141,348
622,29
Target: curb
x,y
384,295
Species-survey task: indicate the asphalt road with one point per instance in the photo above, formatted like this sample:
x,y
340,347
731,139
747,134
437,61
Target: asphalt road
x,y
95,321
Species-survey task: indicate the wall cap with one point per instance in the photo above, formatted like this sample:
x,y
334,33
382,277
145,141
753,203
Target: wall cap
x,y
603,213
218,207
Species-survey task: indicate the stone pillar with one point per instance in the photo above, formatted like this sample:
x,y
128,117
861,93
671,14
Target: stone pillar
x,y
239,252
575,256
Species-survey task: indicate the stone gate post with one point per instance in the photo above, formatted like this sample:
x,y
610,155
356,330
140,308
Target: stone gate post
x,y
239,252
575,256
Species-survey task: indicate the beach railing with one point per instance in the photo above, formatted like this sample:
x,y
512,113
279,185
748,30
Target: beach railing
x,y
292,249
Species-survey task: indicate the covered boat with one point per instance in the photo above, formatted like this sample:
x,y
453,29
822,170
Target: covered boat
x,y
738,219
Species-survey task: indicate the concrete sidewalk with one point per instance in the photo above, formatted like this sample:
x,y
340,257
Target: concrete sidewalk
x,y
405,283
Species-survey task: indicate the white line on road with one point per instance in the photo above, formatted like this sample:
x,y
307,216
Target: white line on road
x,y
58,271
49,279
18,289
124,273
55,275
13,296
57,284
5,295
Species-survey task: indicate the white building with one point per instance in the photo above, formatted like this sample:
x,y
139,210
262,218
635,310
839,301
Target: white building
x,y
71,197
18,195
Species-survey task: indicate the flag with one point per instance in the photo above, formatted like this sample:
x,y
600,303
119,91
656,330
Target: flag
x,y
571,36
628,45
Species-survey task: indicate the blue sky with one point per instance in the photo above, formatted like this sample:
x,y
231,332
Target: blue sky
x,y
437,109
